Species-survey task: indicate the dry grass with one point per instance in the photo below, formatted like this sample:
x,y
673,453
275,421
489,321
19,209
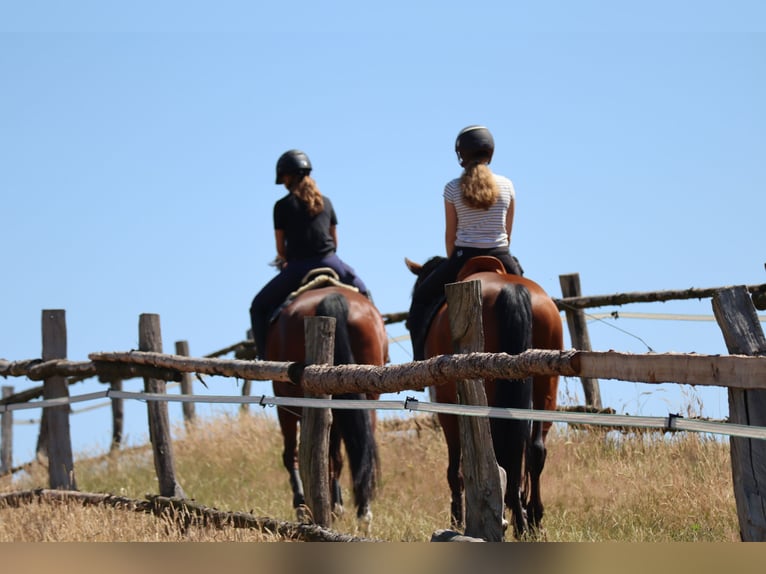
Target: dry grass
x,y
644,487
597,487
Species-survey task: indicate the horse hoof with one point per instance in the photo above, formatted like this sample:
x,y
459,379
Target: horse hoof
x,y
302,513
364,522
338,510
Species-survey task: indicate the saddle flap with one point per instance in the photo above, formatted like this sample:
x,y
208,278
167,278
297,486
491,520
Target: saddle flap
x,y
481,263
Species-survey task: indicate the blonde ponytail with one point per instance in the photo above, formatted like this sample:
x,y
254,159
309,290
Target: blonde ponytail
x,y
478,185
308,192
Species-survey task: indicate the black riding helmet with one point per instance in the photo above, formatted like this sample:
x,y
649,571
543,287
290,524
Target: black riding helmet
x,y
292,162
474,143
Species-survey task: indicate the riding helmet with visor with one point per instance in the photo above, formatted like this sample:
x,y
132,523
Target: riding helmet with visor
x,y
292,162
473,144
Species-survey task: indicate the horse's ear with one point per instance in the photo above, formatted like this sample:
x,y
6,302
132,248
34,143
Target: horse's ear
x,y
412,266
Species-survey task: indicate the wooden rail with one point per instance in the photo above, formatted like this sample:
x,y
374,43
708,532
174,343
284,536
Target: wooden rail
x,y
737,371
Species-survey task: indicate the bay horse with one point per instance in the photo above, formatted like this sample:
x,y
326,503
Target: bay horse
x,y
517,314
360,337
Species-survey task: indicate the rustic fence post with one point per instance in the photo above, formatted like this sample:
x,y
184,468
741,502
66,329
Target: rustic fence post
x,y
118,416
314,445
578,332
6,435
150,339
742,332
483,478
247,355
182,348
60,462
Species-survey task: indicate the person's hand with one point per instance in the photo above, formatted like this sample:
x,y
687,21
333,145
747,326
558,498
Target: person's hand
x,y
279,262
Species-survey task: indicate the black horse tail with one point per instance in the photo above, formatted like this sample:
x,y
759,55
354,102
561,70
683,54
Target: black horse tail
x,y
355,426
514,318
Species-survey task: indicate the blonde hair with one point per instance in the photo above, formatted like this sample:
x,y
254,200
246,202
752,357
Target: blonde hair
x,y
307,191
479,187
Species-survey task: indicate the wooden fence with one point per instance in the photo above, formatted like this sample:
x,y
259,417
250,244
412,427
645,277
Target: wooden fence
x,y
743,374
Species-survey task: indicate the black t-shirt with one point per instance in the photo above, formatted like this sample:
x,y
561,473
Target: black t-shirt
x,y
307,236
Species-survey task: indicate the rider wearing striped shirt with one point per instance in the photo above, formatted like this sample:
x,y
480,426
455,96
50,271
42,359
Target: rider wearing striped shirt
x,y
478,208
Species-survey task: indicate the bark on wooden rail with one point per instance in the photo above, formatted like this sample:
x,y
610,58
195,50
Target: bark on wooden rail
x,y
251,370
644,297
717,370
38,370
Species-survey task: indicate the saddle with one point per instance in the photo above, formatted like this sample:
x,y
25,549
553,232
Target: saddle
x,y
481,263
314,279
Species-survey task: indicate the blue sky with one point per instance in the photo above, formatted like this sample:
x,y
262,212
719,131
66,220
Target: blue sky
x,y
138,145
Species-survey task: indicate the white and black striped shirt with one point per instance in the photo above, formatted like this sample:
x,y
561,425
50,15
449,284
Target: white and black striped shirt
x,y
482,228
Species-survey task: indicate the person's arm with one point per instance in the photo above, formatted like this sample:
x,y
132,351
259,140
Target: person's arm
x,y
334,235
450,226
509,219
279,236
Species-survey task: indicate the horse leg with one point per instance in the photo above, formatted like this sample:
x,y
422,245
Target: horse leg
x,y
355,429
449,424
510,454
335,467
545,390
535,462
288,422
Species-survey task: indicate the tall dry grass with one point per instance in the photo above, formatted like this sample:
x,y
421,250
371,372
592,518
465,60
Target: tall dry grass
x,y
597,486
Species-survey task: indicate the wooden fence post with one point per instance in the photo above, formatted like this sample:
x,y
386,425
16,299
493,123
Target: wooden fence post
x,y
182,348
578,332
41,449
742,332
314,444
118,416
60,462
247,355
150,339
6,435
483,478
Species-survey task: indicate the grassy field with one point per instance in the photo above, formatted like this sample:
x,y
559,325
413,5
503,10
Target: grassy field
x,y
597,486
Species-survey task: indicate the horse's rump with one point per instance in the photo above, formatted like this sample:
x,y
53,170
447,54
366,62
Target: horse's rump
x,y
367,335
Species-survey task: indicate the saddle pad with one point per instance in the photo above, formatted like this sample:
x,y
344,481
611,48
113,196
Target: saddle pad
x,y
314,279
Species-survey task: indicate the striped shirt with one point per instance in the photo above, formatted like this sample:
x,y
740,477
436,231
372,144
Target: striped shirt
x,y
479,227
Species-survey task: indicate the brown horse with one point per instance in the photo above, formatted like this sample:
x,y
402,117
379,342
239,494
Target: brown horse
x,y
517,314
360,337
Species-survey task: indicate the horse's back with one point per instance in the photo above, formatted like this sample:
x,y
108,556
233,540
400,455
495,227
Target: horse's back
x,y
367,331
